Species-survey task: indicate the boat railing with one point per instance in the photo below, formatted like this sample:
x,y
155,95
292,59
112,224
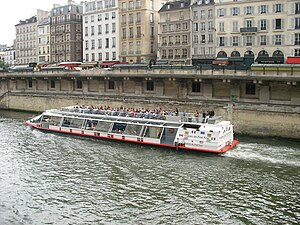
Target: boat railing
x,y
172,117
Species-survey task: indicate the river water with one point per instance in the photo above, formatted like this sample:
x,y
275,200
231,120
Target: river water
x,y
48,178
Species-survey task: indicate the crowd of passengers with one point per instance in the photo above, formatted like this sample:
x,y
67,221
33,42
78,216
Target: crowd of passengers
x,y
157,113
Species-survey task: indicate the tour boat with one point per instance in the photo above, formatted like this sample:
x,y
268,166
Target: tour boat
x,y
174,130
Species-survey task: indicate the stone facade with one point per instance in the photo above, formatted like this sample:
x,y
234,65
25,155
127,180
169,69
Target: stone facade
x,y
26,41
138,30
43,38
101,31
66,33
175,39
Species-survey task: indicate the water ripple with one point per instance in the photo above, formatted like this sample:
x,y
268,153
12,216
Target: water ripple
x,y
47,178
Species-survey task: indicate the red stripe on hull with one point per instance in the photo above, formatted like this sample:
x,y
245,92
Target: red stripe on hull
x,y
222,150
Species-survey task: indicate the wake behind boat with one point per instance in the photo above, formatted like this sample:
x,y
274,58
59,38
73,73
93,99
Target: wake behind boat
x,y
206,133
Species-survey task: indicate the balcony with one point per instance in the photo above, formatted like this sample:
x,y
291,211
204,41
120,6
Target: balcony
x,y
248,30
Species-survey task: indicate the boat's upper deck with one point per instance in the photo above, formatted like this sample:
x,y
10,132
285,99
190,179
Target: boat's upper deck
x,y
159,117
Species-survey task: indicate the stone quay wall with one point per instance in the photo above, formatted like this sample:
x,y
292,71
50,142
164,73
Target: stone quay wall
x,y
271,109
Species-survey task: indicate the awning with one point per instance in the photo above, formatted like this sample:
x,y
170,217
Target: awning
x,y
293,60
236,59
84,65
220,61
106,64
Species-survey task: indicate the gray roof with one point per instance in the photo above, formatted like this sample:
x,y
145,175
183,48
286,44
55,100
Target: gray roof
x,y
32,19
179,4
45,21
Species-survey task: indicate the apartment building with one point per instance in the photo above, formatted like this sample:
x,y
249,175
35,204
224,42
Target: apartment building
x,y
293,29
175,36
101,31
26,41
138,30
66,33
10,56
43,40
256,30
203,31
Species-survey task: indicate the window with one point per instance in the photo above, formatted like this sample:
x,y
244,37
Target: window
x,y
107,28
202,14
113,15
99,17
278,24
196,87
99,29
235,26
202,24
235,11
113,27
263,24
184,26
262,9
297,39
29,83
263,40
249,40
130,47
100,56
195,27
210,13
106,42
106,55
99,43
78,84
130,5
221,41
297,23
221,26
235,41
111,85
113,42
93,44
124,33
138,17
130,32
221,12
150,85
130,18
92,30
106,16
249,10
250,88
297,8
138,4
297,52
278,39
138,32
278,8
52,84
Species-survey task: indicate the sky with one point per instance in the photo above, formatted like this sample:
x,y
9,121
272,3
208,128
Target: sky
x,y
12,11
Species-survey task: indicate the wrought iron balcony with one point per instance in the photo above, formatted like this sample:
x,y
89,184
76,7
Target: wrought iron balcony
x,y
248,29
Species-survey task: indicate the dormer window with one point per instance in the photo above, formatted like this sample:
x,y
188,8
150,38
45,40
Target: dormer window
x,y
182,4
168,6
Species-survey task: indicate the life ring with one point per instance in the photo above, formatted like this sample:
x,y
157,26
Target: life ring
x,y
171,130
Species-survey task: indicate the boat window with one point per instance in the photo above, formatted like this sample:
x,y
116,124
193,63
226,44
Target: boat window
x,y
66,122
103,126
155,123
76,123
153,132
172,125
54,120
90,124
119,128
133,129
192,126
